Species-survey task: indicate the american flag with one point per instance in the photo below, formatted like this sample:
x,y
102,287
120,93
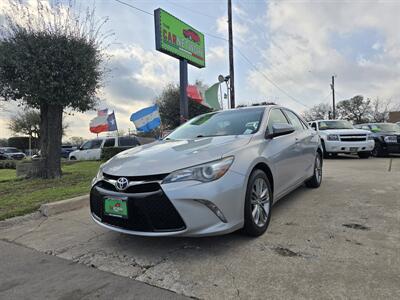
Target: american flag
x,y
102,112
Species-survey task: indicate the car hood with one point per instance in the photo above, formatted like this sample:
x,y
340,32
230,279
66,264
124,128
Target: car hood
x,y
162,157
345,131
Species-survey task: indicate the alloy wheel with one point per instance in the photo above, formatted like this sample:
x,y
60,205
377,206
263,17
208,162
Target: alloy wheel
x,y
260,202
318,169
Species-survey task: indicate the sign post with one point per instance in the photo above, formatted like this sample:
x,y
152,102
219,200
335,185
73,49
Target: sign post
x,y
182,41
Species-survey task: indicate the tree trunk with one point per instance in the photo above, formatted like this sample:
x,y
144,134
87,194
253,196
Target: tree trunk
x,y
50,140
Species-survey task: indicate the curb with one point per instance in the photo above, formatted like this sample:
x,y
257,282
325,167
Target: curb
x,y
50,209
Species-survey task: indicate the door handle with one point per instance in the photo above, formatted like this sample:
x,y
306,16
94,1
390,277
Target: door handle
x,y
297,140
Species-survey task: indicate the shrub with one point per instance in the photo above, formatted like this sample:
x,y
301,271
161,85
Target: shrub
x,y
107,153
8,164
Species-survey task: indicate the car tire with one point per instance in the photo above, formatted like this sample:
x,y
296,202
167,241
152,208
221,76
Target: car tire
x,y
258,204
315,181
326,154
72,158
378,151
364,155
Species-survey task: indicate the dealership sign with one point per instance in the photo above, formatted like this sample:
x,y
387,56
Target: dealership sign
x,y
178,39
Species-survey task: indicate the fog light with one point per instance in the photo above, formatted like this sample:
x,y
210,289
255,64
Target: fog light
x,y
213,208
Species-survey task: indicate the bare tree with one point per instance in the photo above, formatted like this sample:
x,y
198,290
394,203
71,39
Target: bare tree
x,y
317,112
381,109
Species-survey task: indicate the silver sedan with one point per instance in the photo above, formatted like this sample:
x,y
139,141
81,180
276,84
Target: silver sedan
x,y
217,173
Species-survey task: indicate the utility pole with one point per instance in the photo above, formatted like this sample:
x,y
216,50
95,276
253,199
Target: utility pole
x,y
333,98
231,68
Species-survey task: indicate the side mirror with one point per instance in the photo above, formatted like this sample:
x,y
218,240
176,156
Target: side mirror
x,y
280,129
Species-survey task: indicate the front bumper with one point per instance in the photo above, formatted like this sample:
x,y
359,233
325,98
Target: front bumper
x,y
392,147
349,147
176,209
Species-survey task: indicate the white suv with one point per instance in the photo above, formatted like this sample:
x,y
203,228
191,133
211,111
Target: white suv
x,y
339,136
91,150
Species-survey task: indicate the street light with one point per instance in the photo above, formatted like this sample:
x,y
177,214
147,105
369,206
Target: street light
x,y
226,79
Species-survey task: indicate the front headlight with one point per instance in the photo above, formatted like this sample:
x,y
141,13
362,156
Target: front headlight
x,y
370,137
204,173
333,137
390,139
99,175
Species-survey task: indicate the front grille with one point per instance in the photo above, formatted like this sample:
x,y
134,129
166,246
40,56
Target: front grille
x,y
147,213
157,177
140,188
353,137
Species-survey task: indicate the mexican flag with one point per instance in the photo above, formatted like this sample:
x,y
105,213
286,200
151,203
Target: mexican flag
x,y
207,98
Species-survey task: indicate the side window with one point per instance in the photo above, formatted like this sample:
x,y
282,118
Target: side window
x,y
109,143
96,144
87,145
314,125
294,120
276,116
127,141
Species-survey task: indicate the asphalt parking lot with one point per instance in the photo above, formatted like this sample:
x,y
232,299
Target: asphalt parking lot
x,y
339,241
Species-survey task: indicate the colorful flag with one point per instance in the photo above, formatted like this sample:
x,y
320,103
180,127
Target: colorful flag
x,y
207,98
194,93
112,122
99,124
146,119
211,97
103,123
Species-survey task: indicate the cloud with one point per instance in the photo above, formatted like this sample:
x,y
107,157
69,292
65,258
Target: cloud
x,y
301,56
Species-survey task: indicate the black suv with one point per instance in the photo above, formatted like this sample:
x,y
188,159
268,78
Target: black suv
x,y
386,136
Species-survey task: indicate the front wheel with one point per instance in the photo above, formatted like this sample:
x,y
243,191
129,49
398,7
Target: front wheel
x,y
258,204
378,150
316,179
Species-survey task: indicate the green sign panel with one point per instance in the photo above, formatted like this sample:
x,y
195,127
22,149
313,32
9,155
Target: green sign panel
x,y
178,39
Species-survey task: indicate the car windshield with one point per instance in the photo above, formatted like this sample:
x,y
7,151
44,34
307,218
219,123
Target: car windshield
x,y
221,123
385,127
337,124
11,150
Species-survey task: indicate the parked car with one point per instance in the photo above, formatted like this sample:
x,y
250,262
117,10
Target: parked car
x,y
66,150
215,174
386,136
12,153
340,136
91,150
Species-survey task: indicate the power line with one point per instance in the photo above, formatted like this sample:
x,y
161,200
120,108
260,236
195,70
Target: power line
x,y
237,49
134,7
268,79
192,10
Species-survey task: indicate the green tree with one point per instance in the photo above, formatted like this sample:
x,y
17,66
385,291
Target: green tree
x,y
356,109
169,108
50,60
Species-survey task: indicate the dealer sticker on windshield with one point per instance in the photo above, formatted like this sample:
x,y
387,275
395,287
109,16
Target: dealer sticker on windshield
x,y
116,207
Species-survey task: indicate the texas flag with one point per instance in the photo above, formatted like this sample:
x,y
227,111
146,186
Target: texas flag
x,y
103,123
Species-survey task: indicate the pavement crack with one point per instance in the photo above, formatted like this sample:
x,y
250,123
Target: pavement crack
x,y
30,231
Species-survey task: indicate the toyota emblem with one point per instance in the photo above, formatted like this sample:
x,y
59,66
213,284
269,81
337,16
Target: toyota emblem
x,y
121,184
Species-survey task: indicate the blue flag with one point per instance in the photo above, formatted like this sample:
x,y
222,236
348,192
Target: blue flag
x,y
146,119
112,122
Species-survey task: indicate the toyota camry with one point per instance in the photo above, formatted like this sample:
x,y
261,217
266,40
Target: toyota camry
x,y
215,174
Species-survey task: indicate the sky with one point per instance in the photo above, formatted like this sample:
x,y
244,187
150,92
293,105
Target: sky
x,y
285,52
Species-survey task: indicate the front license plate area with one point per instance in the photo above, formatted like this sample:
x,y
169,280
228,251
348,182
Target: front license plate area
x,y
116,207
353,149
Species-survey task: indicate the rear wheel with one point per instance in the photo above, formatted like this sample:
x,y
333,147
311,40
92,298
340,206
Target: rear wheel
x,y
258,204
364,154
316,179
